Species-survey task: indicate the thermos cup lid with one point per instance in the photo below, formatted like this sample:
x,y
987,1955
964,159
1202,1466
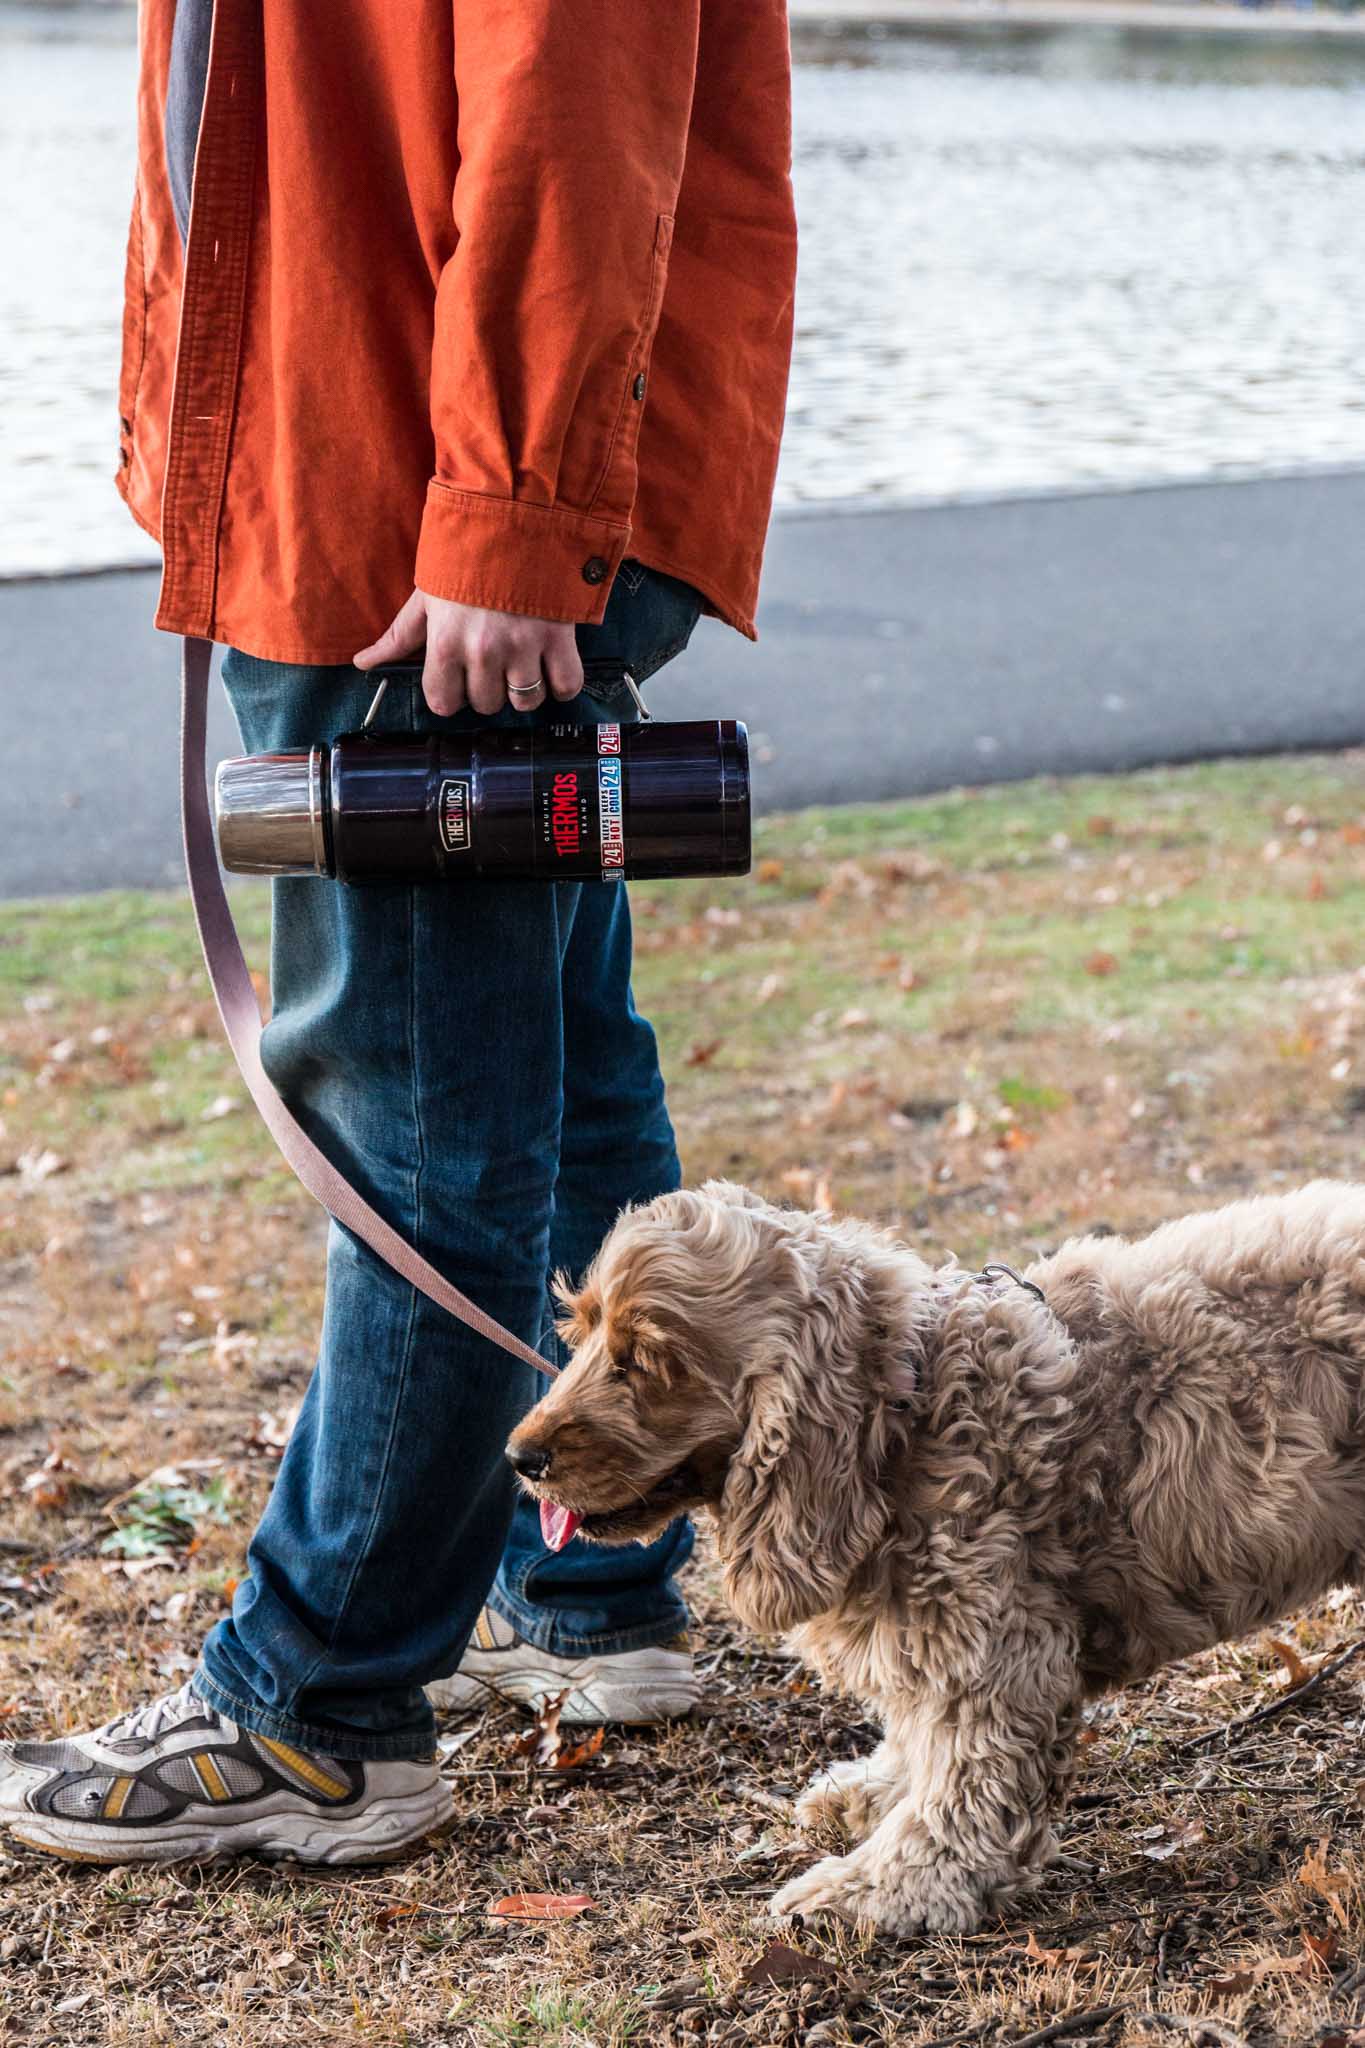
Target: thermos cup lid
x,y
270,814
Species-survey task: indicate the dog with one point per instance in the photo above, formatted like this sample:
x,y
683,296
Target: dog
x,y
975,1501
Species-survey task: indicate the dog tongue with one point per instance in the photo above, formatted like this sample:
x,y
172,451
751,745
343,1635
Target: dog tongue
x,y
557,1524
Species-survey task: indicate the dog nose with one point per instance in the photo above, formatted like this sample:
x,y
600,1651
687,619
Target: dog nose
x,y
529,1460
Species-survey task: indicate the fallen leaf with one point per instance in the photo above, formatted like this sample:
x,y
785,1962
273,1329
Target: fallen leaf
x,y
1314,1957
1299,1673
541,1740
1175,1839
1316,1877
701,1055
855,1020
823,1197
1054,1958
388,1914
770,986
1101,963
768,871
780,1964
580,1752
543,1906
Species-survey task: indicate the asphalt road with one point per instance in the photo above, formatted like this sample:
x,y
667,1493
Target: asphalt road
x,y
903,650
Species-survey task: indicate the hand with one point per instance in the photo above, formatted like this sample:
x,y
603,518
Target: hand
x,y
473,655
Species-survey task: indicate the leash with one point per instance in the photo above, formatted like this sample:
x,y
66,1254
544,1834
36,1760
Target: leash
x,y
232,986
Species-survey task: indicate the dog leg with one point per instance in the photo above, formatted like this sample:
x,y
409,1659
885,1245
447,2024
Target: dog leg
x,y
851,1796
971,1828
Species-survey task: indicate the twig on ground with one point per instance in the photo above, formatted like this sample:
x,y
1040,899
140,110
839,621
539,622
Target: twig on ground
x,y
1074,2023
1232,1731
1353,1981
1194,2024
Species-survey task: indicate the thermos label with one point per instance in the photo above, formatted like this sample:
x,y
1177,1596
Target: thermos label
x,y
613,837
455,814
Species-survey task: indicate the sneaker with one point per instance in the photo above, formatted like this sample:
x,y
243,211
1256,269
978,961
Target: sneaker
x,y
634,1686
177,1782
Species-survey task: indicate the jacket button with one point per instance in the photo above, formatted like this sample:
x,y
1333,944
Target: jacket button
x,y
637,389
594,569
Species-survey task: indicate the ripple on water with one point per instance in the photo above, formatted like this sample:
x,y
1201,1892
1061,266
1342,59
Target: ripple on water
x,y
1027,261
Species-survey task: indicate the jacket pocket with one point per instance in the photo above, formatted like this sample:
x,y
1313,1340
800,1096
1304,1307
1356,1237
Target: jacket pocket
x,y
615,491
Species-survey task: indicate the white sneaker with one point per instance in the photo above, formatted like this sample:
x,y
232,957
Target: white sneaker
x,y
633,1686
177,1782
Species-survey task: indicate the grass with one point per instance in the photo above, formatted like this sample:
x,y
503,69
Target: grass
x,y
990,1019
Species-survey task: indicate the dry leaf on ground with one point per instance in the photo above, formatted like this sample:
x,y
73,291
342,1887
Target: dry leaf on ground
x,y
1297,1672
542,1906
780,1964
1055,1958
1314,1957
580,1752
1328,1884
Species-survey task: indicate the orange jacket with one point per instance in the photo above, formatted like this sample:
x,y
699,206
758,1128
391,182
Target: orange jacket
x,y
480,295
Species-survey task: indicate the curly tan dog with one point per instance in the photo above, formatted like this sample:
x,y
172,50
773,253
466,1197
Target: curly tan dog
x,y
974,1507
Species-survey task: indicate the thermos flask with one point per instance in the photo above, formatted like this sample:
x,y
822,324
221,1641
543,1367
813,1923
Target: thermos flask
x,y
556,802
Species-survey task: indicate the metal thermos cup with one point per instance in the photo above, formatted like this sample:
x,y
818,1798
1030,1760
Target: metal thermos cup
x,y
559,802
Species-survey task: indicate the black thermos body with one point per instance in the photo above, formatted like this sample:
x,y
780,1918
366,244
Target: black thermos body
x,y
557,802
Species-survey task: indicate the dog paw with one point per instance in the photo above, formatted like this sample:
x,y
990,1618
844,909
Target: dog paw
x,y
847,1798
931,1898
821,1889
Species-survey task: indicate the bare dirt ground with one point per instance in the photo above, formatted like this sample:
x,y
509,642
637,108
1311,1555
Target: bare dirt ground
x,y
991,1020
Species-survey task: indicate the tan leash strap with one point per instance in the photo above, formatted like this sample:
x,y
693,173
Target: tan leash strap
x,y
241,1015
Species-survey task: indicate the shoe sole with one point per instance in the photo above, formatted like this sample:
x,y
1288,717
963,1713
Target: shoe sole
x,y
588,1705
398,1827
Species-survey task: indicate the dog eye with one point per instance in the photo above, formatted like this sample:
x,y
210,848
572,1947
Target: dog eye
x,y
622,1368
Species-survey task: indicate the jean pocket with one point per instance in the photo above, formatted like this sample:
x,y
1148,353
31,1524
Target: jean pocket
x,y
649,619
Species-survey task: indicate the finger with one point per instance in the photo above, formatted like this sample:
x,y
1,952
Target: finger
x,y
444,683
562,664
485,680
525,691
407,631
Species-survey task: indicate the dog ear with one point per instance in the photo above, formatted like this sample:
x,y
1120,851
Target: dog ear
x,y
801,1507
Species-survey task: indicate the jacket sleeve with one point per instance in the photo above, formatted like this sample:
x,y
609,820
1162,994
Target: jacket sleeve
x,y
573,121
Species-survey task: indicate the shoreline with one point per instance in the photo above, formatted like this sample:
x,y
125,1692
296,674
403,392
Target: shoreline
x,y
1163,17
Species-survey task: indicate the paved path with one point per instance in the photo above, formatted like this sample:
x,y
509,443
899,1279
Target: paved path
x,y
903,650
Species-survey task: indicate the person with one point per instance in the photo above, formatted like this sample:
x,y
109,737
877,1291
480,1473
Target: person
x,y
459,333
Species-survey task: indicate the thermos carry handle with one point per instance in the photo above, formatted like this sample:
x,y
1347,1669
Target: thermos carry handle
x,y
619,673
235,995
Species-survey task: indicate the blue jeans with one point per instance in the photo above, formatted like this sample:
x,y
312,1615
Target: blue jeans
x,y
471,1057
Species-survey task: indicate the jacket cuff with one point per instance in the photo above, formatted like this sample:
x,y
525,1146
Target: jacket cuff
x,y
508,555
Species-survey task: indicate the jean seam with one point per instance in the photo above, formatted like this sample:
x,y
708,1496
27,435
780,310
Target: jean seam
x,y
259,1720
408,1333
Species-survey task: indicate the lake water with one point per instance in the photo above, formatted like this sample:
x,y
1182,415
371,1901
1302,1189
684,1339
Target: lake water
x,y
1028,261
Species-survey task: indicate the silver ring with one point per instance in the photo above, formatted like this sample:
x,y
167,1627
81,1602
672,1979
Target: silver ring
x,y
523,689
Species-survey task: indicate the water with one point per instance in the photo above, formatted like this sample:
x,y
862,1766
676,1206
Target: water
x,y
1028,261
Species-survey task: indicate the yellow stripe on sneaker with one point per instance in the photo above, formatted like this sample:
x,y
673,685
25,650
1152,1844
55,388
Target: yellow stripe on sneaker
x,y
210,1777
304,1767
116,1798
483,1631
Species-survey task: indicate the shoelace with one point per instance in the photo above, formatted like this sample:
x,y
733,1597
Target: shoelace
x,y
149,1720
